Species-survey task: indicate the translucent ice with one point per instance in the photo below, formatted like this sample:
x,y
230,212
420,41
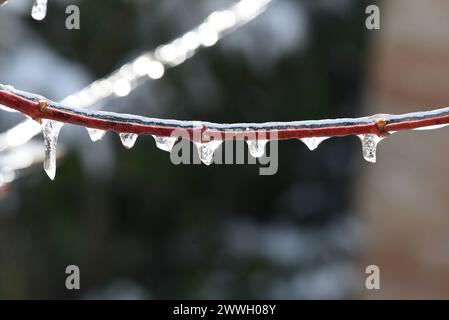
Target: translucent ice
x,y
206,150
128,139
438,126
257,147
39,10
95,134
50,129
165,143
369,146
314,142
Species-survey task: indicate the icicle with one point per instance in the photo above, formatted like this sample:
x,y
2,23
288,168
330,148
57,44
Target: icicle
x,y
95,134
39,10
206,150
128,139
314,142
51,131
165,143
369,146
256,147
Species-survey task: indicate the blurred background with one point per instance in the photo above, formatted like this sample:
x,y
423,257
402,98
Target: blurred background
x,y
140,227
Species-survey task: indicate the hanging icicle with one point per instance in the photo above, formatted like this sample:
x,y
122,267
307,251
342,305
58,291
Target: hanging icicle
x,y
39,10
50,129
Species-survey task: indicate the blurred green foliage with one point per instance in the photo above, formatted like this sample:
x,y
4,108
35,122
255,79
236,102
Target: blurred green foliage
x,y
162,226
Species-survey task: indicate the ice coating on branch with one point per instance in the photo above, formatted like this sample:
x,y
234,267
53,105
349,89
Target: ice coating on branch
x,y
438,126
165,143
314,142
50,129
3,108
206,150
95,134
369,146
39,10
257,147
128,139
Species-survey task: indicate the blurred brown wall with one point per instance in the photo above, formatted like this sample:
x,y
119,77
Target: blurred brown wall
x,y
404,198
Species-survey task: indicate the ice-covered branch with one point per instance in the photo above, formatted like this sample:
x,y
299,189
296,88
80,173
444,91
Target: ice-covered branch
x,y
149,65
208,135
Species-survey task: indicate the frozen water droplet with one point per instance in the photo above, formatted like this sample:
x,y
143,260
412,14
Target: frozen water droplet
x,y
128,139
206,150
369,146
39,10
96,134
165,143
51,130
314,142
257,147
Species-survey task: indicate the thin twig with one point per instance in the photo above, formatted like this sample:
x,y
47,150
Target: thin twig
x,y
38,108
149,65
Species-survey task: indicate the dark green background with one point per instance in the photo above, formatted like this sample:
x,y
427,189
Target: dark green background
x,y
166,231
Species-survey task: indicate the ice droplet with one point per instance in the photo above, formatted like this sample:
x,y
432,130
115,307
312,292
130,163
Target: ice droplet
x,y
95,134
314,142
206,150
165,143
39,10
369,146
51,130
128,139
256,147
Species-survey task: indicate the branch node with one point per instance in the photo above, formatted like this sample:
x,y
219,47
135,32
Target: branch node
x,y
205,137
43,104
381,124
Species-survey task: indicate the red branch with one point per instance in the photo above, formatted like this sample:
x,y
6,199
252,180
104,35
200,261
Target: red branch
x,y
39,108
